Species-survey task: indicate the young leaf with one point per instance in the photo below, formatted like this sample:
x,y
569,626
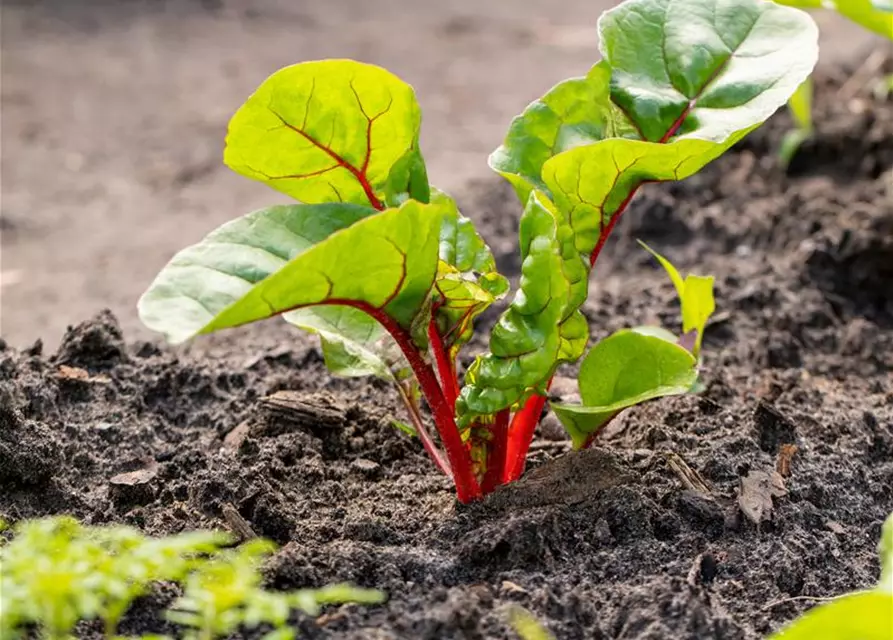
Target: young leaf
x,y
623,370
715,67
331,131
573,113
885,551
283,258
695,298
467,280
353,344
536,332
858,616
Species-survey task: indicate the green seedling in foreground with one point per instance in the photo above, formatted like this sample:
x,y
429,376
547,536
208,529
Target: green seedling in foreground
x,y
385,269
225,593
865,615
56,572
873,15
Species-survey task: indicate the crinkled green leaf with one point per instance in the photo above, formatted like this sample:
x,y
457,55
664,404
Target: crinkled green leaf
x,y
284,258
573,113
467,280
542,326
695,298
331,131
623,370
859,616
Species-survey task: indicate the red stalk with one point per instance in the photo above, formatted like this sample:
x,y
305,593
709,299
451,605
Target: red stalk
x,y
520,436
445,367
422,431
467,487
496,452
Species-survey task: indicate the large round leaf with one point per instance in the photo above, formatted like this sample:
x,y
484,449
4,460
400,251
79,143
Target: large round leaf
x,y
331,131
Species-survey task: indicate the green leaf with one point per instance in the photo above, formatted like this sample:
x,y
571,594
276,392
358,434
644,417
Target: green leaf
x,y
885,551
860,616
284,258
717,66
467,280
695,298
875,16
800,104
542,326
724,68
623,370
353,344
573,113
331,131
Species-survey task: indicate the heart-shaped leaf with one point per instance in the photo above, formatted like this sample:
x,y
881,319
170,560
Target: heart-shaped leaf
x,y
623,370
467,280
331,131
284,258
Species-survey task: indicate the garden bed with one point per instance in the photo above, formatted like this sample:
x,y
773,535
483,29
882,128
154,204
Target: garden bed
x,y
641,537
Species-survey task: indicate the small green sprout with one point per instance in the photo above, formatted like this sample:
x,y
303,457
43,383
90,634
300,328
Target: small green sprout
x,y
864,615
225,593
695,299
527,626
56,572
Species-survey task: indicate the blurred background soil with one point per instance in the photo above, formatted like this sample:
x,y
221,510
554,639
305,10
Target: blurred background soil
x,y
114,115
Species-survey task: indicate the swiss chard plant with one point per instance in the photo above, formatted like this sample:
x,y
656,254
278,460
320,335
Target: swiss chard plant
x,y
391,276
56,572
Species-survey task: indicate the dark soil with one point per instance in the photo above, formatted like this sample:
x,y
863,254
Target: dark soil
x,y
616,542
